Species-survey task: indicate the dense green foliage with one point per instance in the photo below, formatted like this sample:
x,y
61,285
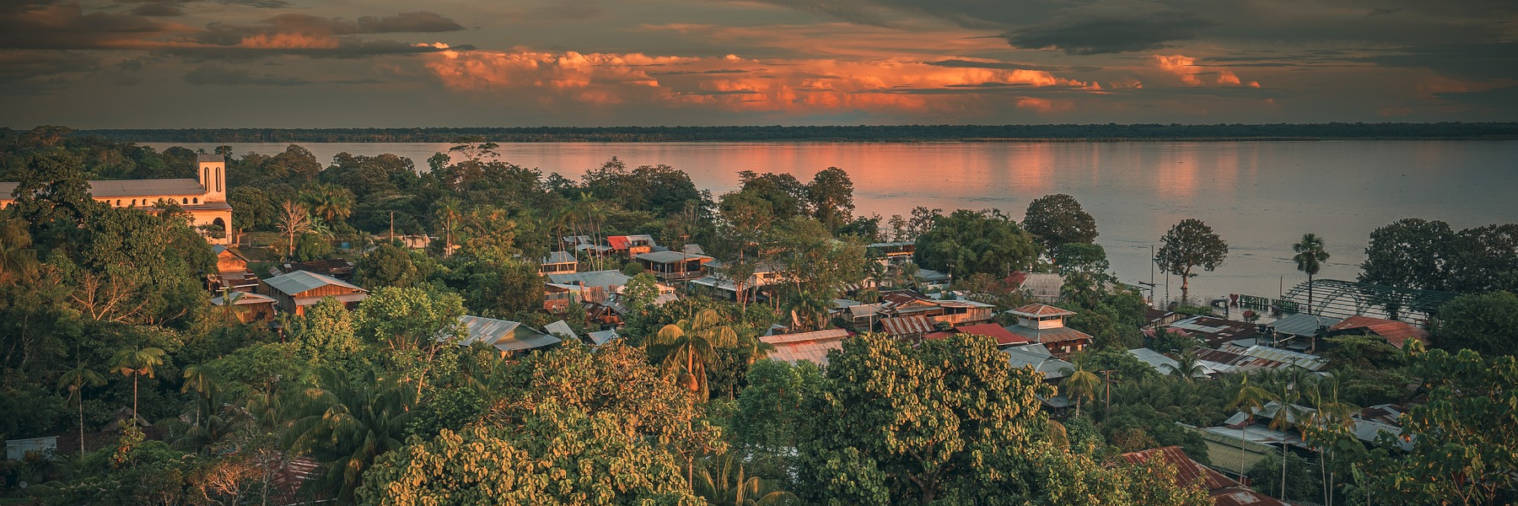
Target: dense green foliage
x,y
158,397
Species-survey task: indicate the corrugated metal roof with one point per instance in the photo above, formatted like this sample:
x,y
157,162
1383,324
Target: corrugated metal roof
x,y
809,346
558,257
503,334
1054,335
907,325
295,283
129,188
1187,471
243,299
608,278
1303,324
1038,357
664,257
561,328
601,337
1395,332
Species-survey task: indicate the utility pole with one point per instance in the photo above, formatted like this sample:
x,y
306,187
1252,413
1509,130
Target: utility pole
x,y
392,227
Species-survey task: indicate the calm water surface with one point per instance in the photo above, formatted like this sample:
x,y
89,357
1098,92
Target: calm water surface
x,y
1260,196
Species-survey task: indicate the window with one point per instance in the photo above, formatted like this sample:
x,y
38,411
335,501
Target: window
x,y
195,200
134,202
205,178
118,202
218,179
184,201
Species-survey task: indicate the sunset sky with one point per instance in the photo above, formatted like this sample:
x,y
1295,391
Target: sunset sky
x,y
384,63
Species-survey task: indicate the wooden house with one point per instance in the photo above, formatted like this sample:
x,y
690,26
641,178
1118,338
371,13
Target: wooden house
x,y
295,291
673,265
1044,324
246,307
231,272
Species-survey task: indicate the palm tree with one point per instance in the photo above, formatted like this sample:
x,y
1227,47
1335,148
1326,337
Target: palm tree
x,y
692,344
137,363
448,215
75,380
1285,417
1248,399
1188,367
1331,420
293,220
729,487
1310,258
198,380
346,424
808,311
331,202
1081,384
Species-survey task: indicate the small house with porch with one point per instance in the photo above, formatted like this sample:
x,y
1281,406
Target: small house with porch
x,y
1045,324
559,262
231,272
631,245
673,265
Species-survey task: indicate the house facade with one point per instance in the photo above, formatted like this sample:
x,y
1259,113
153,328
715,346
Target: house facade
x,y
204,198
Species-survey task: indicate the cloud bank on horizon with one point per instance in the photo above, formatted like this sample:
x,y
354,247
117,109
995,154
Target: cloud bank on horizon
x,y
289,63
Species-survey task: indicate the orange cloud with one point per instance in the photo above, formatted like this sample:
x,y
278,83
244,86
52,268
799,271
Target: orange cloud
x,y
735,83
1185,68
288,41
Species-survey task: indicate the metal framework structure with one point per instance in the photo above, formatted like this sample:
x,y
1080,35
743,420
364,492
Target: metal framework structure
x,y
1342,299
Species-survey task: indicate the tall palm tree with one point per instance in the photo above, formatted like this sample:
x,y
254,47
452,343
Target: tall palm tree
x,y
1285,394
136,363
293,220
1080,385
729,486
692,344
1310,257
345,424
448,214
1248,399
75,380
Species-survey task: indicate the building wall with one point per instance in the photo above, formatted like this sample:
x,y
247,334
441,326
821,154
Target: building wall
x,y
212,177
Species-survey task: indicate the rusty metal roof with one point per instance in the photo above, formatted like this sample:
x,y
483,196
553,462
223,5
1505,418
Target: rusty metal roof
x,y
809,346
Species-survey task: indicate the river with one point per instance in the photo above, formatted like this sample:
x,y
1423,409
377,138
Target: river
x,y
1260,196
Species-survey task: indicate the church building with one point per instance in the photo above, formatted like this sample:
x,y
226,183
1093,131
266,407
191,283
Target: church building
x,y
203,198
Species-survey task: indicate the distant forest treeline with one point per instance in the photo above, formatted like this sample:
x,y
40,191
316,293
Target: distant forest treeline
x,y
1279,131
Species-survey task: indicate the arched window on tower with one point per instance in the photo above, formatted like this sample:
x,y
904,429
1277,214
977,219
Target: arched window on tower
x,y
205,178
218,179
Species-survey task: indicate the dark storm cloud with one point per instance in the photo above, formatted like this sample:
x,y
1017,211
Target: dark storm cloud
x,y
48,25
158,9
1476,60
1098,35
999,65
227,34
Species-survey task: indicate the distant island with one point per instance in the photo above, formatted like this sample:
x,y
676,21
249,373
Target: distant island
x,y
892,133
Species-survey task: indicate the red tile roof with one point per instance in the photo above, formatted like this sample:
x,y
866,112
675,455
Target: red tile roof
x,y
1397,333
1187,471
1222,489
1042,310
618,242
993,331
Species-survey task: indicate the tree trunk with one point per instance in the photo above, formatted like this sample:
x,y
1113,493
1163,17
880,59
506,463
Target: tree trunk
x,y
1310,294
1283,469
81,423
134,400
1241,448
1185,286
